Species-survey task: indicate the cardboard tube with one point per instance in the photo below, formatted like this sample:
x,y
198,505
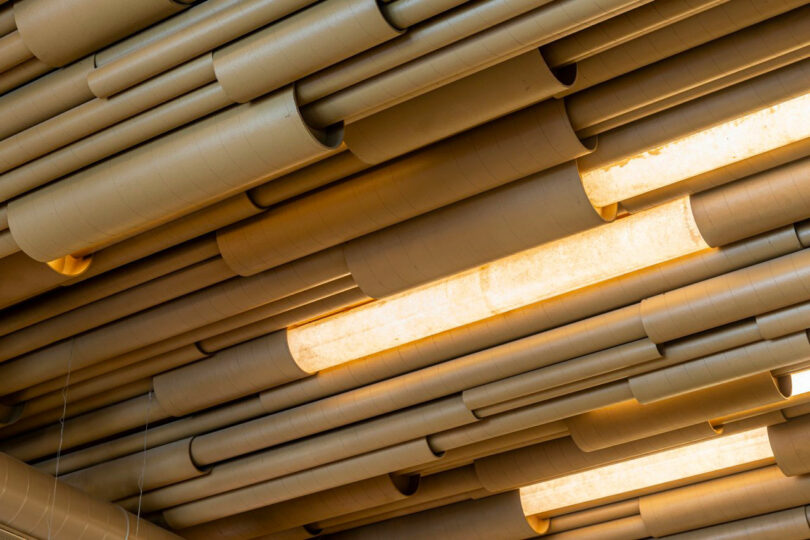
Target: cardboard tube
x,y
308,453
12,51
302,483
560,457
621,29
92,116
173,48
30,278
422,385
785,525
789,442
784,321
501,222
629,421
497,517
410,12
114,307
88,427
170,319
229,374
480,51
58,34
131,132
706,63
37,504
154,436
75,296
745,494
356,497
535,415
7,244
417,42
455,107
486,157
767,200
7,24
593,516
307,179
21,74
157,467
562,373
717,368
219,165
670,40
519,323
731,297
626,528
263,61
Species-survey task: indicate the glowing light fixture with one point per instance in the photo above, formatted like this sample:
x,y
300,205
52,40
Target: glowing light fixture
x,y
659,234
647,471
800,382
735,140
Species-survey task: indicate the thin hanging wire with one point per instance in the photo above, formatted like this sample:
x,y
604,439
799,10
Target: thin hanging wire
x,y
65,389
143,464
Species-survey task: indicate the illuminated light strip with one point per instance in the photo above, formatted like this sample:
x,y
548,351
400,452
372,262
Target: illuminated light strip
x,y
647,471
735,140
644,239
800,382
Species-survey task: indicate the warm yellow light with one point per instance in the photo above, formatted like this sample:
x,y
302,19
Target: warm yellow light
x,y
738,139
635,242
800,382
647,471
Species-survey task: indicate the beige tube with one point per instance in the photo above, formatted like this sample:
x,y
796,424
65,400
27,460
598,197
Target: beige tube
x,y
486,157
455,107
409,12
786,525
88,118
308,453
784,321
75,296
170,319
425,384
229,374
480,51
626,528
696,115
172,49
219,165
745,494
717,368
114,307
302,483
154,468
19,75
36,504
356,497
622,28
743,293
286,51
86,428
789,442
58,33
499,517
7,24
629,421
534,415
502,222
126,134
7,244
767,200
308,178
12,51
154,436
563,456
690,69
593,516
562,373
30,278
531,319
701,28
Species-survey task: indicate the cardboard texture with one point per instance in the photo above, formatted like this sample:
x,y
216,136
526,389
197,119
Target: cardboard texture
x,y
789,444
